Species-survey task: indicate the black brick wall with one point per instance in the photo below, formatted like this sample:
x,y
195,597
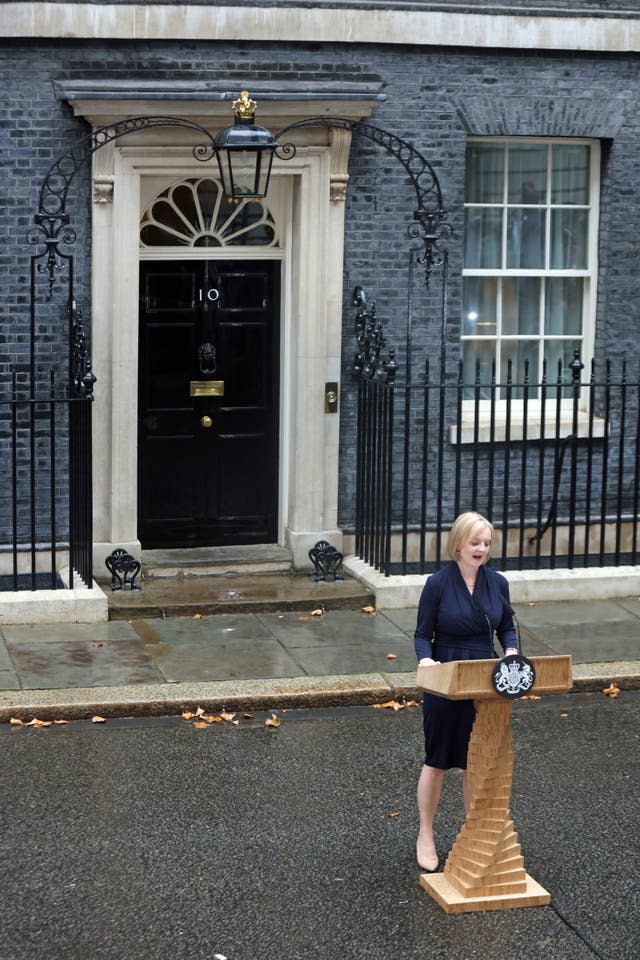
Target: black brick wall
x,y
435,98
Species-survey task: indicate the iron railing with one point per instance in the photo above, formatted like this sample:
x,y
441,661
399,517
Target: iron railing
x,y
555,465
45,477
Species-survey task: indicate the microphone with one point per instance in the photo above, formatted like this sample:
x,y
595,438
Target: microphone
x,y
510,610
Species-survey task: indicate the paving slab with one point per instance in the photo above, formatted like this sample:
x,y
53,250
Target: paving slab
x,y
608,630
59,632
237,659
5,660
211,630
567,612
81,663
404,619
9,680
360,656
631,605
346,626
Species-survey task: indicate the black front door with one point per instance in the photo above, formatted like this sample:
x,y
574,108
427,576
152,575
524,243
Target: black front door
x,y
208,403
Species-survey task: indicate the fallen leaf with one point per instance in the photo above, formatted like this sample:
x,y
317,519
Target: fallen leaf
x,y
388,705
227,716
235,722
197,616
564,715
613,691
392,656
531,603
188,715
393,814
212,717
99,644
98,719
413,703
38,723
200,712
317,612
368,609
248,716
201,725
303,618
15,722
531,696
60,722
272,721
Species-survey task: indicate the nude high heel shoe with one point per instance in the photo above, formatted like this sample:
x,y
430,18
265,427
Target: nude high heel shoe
x,y
426,856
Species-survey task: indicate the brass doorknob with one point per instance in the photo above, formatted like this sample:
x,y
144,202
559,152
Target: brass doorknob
x,y
206,422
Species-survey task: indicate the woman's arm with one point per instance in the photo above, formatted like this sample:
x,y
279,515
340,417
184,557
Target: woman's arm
x,y
427,611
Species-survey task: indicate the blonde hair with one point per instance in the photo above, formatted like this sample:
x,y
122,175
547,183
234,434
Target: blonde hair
x,y
464,528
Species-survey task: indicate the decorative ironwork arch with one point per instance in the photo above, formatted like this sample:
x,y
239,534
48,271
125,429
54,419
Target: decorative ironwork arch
x,y
430,224
52,220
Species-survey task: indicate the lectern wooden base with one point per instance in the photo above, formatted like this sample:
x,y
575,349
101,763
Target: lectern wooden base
x,y
485,868
452,901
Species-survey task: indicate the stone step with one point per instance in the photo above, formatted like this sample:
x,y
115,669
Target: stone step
x,y
235,593
215,561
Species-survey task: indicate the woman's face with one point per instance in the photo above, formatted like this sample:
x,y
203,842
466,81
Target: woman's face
x,y
474,552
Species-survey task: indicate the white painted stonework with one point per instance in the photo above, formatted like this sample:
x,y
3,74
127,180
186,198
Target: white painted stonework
x,y
79,605
597,583
280,22
310,227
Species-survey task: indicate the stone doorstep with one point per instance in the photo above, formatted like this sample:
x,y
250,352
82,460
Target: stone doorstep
x,y
209,562
204,569
244,592
216,561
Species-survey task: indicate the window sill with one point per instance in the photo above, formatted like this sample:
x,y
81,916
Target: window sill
x,y
534,429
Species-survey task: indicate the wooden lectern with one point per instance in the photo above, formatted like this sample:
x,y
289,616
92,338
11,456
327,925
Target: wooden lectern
x,y
485,867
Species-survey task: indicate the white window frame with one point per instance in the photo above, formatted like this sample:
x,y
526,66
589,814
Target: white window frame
x,y
587,336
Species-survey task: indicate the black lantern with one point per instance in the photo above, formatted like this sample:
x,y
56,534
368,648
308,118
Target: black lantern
x,y
245,153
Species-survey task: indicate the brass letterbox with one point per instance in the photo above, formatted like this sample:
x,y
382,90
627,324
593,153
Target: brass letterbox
x,y
206,388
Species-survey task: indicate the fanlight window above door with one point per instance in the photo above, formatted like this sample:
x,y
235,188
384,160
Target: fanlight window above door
x,y
196,213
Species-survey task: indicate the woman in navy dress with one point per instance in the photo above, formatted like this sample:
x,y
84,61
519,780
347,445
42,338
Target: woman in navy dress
x,y
460,609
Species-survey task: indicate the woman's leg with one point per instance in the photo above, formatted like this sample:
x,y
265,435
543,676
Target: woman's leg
x,y
429,790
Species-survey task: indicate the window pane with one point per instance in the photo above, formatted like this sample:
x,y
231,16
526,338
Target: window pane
x,y
560,350
484,173
521,306
525,238
563,306
478,360
570,174
524,362
528,174
483,237
479,306
569,239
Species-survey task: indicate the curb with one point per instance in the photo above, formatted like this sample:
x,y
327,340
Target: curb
x,y
154,700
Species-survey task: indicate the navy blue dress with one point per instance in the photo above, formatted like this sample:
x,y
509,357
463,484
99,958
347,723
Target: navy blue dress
x,y
456,625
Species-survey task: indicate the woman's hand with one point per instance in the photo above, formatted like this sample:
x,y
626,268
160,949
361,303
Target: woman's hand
x,y
427,662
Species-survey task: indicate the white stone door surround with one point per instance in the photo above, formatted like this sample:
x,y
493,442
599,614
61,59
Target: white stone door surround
x,y
309,204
